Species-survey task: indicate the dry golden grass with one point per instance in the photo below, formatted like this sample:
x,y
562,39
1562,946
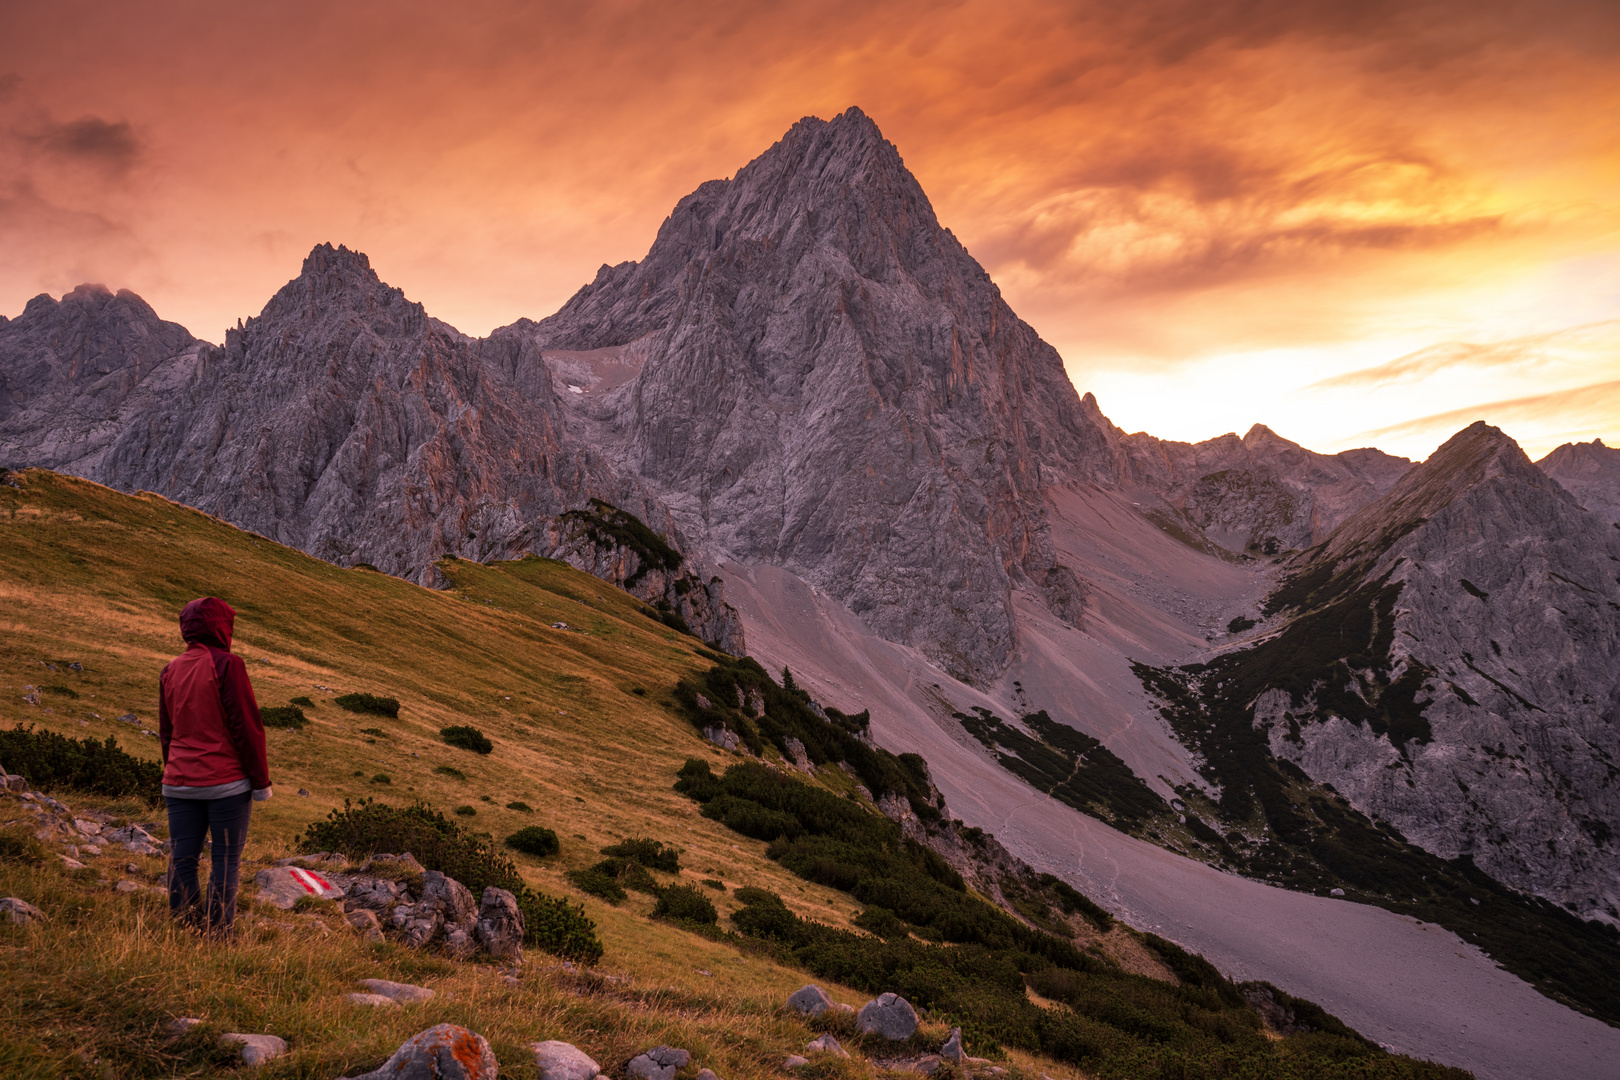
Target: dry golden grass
x,y
92,576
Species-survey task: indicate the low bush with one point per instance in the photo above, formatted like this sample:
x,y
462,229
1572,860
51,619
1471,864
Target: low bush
x,y
687,903
50,762
521,807
283,716
61,691
598,883
471,858
451,771
466,737
382,778
534,840
18,844
653,854
629,874
368,703
466,811
303,700
1240,624
374,732
715,883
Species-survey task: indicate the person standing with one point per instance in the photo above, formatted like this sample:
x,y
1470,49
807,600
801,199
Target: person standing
x,y
214,763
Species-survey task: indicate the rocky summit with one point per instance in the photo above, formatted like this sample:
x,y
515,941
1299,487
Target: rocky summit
x,y
807,426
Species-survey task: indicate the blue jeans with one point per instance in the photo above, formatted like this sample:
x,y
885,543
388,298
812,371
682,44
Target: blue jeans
x,y
190,820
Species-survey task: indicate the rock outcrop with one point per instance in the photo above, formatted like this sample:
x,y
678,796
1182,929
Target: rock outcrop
x,y
1591,473
1508,619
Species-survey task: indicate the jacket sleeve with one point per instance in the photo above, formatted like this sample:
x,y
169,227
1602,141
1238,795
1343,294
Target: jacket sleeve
x,y
243,724
165,724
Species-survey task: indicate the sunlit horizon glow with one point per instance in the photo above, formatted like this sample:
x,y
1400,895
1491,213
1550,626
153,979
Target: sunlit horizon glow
x,y
1357,221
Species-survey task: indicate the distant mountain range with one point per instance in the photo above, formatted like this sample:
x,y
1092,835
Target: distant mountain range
x,y
1345,671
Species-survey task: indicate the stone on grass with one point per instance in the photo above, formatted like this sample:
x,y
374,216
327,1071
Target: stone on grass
x,y
449,897
563,1061
369,999
19,911
459,943
809,1000
284,886
826,1044
404,993
795,1061
181,1024
888,1015
707,1074
70,864
365,923
126,886
256,1049
659,1063
500,925
442,1052
952,1050
929,1064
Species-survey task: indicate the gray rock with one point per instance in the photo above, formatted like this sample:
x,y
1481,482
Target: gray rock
x,y
458,943
284,886
126,887
659,1063
500,925
952,1050
404,993
256,1049
19,911
721,736
369,999
180,1025
826,1044
707,1074
809,1000
888,1015
563,1061
795,1061
1591,473
442,1052
365,923
449,897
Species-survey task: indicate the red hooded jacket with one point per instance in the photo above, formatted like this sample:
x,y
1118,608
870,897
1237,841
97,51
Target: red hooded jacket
x,y
207,716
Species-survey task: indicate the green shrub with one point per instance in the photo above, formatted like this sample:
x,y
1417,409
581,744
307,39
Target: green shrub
x,y
18,844
1240,624
303,699
374,732
466,737
283,716
62,691
49,762
715,884
466,811
367,703
534,840
687,903
451,771
521,807
653,854
598,883
471,858
382,778
628,873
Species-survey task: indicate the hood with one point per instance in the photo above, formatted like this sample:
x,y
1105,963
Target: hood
x,y
208,621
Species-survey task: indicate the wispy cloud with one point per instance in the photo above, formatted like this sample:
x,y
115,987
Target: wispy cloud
x,y
1564,416
1575,345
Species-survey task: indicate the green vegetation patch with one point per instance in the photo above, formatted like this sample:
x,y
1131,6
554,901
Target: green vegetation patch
x,y
283,716
975,969
440,844
450,771
51,762
18,844
686,903
653,854
368,703
1068,765
534,840
466,737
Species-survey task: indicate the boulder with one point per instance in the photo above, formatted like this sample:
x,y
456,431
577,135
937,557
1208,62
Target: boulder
x,y
707,1074
256,1049
809,1000
500,925
404,993
19,911
284,886
563,1061
449,897
126,886
376,894
458,943
721,736
795,1061
365,924
826,1044
369,999
952,1050
442,1052
888,1015
659,1063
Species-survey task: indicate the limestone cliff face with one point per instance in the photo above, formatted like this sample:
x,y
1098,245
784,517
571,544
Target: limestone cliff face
x,y
1510,608
1262,493
67,367
342,420
1590,472
811,372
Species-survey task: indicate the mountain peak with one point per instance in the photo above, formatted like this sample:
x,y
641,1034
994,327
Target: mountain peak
x,y
336,274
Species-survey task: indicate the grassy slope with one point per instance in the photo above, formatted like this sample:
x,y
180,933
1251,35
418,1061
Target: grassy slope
x,y
94,576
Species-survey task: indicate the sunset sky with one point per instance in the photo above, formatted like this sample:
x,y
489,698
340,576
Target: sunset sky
x,y
1358,222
